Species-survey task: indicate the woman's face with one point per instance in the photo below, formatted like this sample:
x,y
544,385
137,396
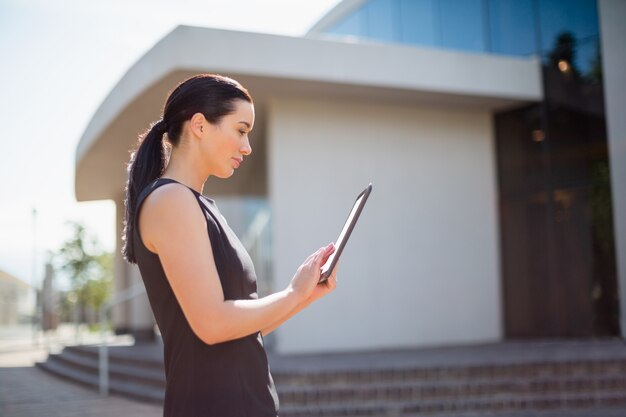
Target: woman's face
x,y
226,143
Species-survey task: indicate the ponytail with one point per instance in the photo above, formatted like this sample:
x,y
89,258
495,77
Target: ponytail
x,y
146,165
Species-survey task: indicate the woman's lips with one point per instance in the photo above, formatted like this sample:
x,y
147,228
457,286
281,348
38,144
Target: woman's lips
x,y
238,162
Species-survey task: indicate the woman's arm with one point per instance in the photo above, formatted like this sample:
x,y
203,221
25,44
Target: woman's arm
x,y
172,226
277,324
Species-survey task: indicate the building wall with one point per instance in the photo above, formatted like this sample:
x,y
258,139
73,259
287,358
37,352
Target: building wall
x,y
422,266
12,298
16,300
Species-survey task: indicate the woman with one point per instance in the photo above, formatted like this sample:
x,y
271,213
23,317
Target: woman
x,y
199,279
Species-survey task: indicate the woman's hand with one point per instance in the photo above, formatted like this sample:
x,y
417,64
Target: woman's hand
x,y
306,286
324,288
306,280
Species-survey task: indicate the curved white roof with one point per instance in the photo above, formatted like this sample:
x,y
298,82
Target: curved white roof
x,y
273,66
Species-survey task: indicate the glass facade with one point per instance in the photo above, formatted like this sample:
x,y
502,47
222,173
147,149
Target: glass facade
x,y
557,250
512,27
415,24
507,27
462,25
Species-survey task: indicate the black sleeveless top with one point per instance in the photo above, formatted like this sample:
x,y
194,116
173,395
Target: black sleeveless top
x,y
230,379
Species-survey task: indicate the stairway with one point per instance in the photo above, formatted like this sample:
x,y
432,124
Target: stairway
x,y
449,391
129,374
470,382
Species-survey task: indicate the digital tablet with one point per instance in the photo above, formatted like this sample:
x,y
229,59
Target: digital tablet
x,y
328,267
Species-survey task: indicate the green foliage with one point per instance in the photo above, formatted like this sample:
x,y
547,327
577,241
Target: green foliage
x,y
95,327
602,207
89,268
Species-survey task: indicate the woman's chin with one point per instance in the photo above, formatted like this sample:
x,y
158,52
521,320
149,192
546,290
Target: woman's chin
x,y
225,174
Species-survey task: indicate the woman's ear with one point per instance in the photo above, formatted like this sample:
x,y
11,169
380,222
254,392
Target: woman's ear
x,y
197,125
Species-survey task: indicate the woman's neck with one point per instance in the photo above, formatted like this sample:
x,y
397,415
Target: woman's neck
x,y
185,171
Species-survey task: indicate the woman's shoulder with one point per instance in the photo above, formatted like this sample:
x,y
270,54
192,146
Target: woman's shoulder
x,y
167,212
168,199
168,207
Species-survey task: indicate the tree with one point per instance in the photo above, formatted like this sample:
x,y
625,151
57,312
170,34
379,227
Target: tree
x,y
564,53
98,288
88,267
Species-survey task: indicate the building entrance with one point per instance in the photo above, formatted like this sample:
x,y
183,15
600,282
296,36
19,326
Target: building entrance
x,y
557,249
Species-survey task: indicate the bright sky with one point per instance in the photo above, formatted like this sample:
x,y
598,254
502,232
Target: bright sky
x,y
58,61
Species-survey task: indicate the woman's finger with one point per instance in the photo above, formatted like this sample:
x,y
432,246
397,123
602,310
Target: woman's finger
x,y
327,253
323,254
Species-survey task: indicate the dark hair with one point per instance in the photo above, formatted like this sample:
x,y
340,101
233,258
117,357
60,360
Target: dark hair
x,y
212,95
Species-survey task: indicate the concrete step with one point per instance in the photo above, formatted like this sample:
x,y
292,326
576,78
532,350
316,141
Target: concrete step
x,y
121,355
119,386
447,390
588,368
375,373
376,389
121,371
485,406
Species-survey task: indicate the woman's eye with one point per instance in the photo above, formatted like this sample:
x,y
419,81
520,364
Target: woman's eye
x,y
242,132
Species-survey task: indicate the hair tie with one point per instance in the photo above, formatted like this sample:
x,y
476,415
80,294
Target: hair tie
x,y
164,125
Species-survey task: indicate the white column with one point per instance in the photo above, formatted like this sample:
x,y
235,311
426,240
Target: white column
x,y
134,316
140,313
120,279
613,33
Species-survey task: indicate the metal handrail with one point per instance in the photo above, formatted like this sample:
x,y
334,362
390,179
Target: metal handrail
x,y
103,351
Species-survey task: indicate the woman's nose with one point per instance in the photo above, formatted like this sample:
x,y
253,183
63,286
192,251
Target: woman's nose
x,y
246,149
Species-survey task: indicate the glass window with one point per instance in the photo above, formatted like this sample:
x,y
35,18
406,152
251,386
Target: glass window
x,y
577,19
588,60
512,27
417,22
462,24
380,19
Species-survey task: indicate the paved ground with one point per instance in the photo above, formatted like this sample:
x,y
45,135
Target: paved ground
x,y
26,391
30,392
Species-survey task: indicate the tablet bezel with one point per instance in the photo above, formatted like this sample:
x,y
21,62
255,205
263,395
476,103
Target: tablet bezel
x,y
359,203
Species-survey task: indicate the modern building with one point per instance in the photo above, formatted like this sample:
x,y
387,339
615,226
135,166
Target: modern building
x,y
16,300
491,130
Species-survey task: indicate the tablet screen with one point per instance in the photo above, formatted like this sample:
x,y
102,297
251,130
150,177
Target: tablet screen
x,y
327,269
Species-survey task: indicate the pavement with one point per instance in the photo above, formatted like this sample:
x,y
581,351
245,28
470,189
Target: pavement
x,y
27,391
30,392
